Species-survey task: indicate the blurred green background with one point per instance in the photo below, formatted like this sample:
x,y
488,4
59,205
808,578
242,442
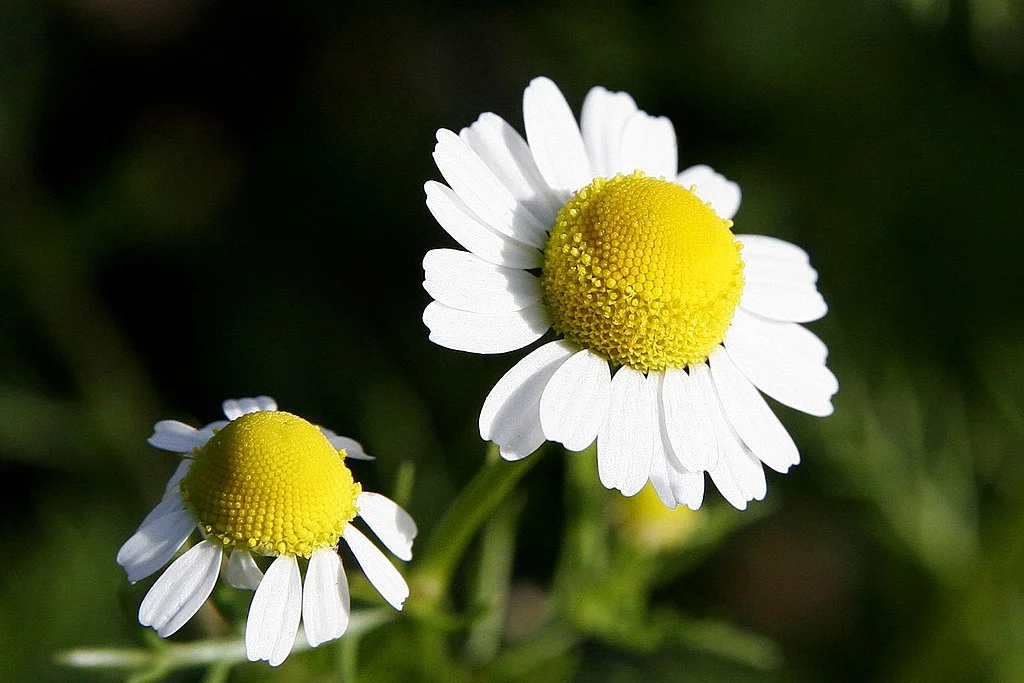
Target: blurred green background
x,y
203,200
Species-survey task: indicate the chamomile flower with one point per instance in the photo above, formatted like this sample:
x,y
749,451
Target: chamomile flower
x,y
666,323
265,483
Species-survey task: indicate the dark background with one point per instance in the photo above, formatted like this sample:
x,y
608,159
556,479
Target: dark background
x,y
203,200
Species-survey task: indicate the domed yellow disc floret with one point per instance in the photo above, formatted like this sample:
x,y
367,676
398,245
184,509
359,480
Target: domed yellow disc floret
x,y
270,482
642,272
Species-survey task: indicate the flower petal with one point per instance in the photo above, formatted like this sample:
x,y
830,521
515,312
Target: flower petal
x,y
159,536
181,590
790,377
179,473
602,119
649,145
485,332
766,248
326,605
792,336
353,449
510,416
800,303
714,188
687,425
575,400
176,437
458,221
236,407
378,569
754,422
555,139
241,571
394,526
274,613
482,192
466,282
509,158
626,441
687,487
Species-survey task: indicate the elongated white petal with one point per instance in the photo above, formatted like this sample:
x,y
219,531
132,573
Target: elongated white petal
x,y
799,303
235,408
792,336
176,437
687,425
738,475
325,598
747,412
714,188
660,482
782,273
575,400
394,526
466,282
602,119
626,442
353,449
483,193
181,590
766,248
687,487
274,613
555,139
454,216
509,158
485,332
241,570
159,536
377,567
179,474
790,377
649,144
510,416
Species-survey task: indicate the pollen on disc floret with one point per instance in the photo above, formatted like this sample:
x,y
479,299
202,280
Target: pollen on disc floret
x,y
643,272
270,482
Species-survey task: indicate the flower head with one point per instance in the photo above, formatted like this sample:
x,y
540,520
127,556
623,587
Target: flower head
x,y
265,483
666,324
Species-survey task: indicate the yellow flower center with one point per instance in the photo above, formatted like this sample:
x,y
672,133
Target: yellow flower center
x,y
642,272
270,482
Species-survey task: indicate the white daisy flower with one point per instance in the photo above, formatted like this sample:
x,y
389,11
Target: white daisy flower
x,y
266,483
667,323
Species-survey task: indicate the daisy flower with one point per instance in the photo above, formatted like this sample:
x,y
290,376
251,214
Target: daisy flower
x,y
668,327
267,483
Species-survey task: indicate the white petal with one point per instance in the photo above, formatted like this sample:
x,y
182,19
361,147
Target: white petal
x,y
325,599
177,437
765,248
626,442
459,222
754,422
555,139
510,416
394,526
378,569
179,474
739,475
181,590
509,158
792,336
353,449
575,400
687,425
757,268
649,144
159,536
713,188
485,332
235,408
790,377
274,613
660,482
482,192
602,119
241,571
794,303
687,487
461,280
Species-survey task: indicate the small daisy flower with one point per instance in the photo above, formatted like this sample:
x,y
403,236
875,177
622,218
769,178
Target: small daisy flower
x,y
266,483
667,324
